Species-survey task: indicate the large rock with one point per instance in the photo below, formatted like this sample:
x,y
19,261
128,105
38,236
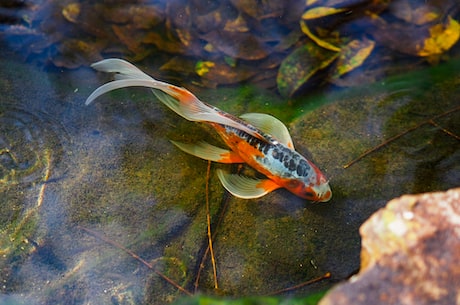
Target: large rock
x,y
410,254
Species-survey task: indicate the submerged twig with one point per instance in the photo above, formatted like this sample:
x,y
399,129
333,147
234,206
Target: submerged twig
x,y
135,256
322,277
206,252
208,220
450,133
386,142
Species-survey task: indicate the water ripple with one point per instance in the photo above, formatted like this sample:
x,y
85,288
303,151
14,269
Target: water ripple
x,y
28,142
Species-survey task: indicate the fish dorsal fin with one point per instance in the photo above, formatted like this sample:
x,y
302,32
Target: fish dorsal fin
x,y
245,187
270,125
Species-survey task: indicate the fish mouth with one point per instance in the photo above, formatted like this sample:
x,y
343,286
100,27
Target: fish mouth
x,y
323,193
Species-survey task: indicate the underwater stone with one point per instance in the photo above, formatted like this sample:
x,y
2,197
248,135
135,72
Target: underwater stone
x,y
409,254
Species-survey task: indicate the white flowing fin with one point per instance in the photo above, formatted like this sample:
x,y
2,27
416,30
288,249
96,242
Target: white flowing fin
x,y
123,68
180,100
210,152
244,187
271,126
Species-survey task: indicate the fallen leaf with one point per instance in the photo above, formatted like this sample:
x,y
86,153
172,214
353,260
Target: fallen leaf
x,y
321,11
74,53
317,40
299,67
220,73
166,43
419,14
202,67
71,12
237,45
238,24
442,38
181,64
352,56
129,36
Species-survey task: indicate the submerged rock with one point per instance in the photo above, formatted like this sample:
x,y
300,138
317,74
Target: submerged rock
x,y
409,255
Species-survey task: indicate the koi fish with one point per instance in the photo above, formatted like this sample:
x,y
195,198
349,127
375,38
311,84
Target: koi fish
x,y
259,140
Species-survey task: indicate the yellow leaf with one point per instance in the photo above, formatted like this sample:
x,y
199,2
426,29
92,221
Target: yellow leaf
x,y
311,2
442,38
321,11
317,40
353,55
202,67
71,12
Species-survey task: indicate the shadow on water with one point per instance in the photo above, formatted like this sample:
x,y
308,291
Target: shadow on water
x,y
109,168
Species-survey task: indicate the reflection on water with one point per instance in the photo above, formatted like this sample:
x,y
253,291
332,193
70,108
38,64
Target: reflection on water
x,y
87,191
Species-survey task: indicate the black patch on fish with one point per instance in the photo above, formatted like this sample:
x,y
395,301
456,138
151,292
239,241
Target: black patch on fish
x,y
277,154
292,165
264,147
303,168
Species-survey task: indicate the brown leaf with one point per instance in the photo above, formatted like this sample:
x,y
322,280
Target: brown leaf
x,y
167,44
238,24
220,73
179,64
129,36
237,45
260,9
418,14
418,41
301,65
73,53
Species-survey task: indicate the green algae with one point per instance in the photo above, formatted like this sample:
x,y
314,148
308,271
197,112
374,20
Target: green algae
x,y
206,300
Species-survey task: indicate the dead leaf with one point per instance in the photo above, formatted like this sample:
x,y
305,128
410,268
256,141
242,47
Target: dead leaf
x,y
129,36
321,11
301,65
203,67
237,45
238,24
352,56
220,73
418,14
71,12
322,43
181,64
74,53
166,43
442,38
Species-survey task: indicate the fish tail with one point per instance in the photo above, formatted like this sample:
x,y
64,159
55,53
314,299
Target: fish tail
x,y
180,100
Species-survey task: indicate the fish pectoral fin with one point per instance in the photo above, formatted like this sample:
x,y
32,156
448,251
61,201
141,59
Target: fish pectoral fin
x,y
245,187
270,125
210,152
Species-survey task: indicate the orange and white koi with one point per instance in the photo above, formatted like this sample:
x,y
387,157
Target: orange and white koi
x,y
260,140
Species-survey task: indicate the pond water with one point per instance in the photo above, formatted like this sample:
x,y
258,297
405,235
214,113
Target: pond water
x,y
98,207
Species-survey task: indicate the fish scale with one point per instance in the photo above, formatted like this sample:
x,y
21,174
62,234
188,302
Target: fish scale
x,y
277,158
